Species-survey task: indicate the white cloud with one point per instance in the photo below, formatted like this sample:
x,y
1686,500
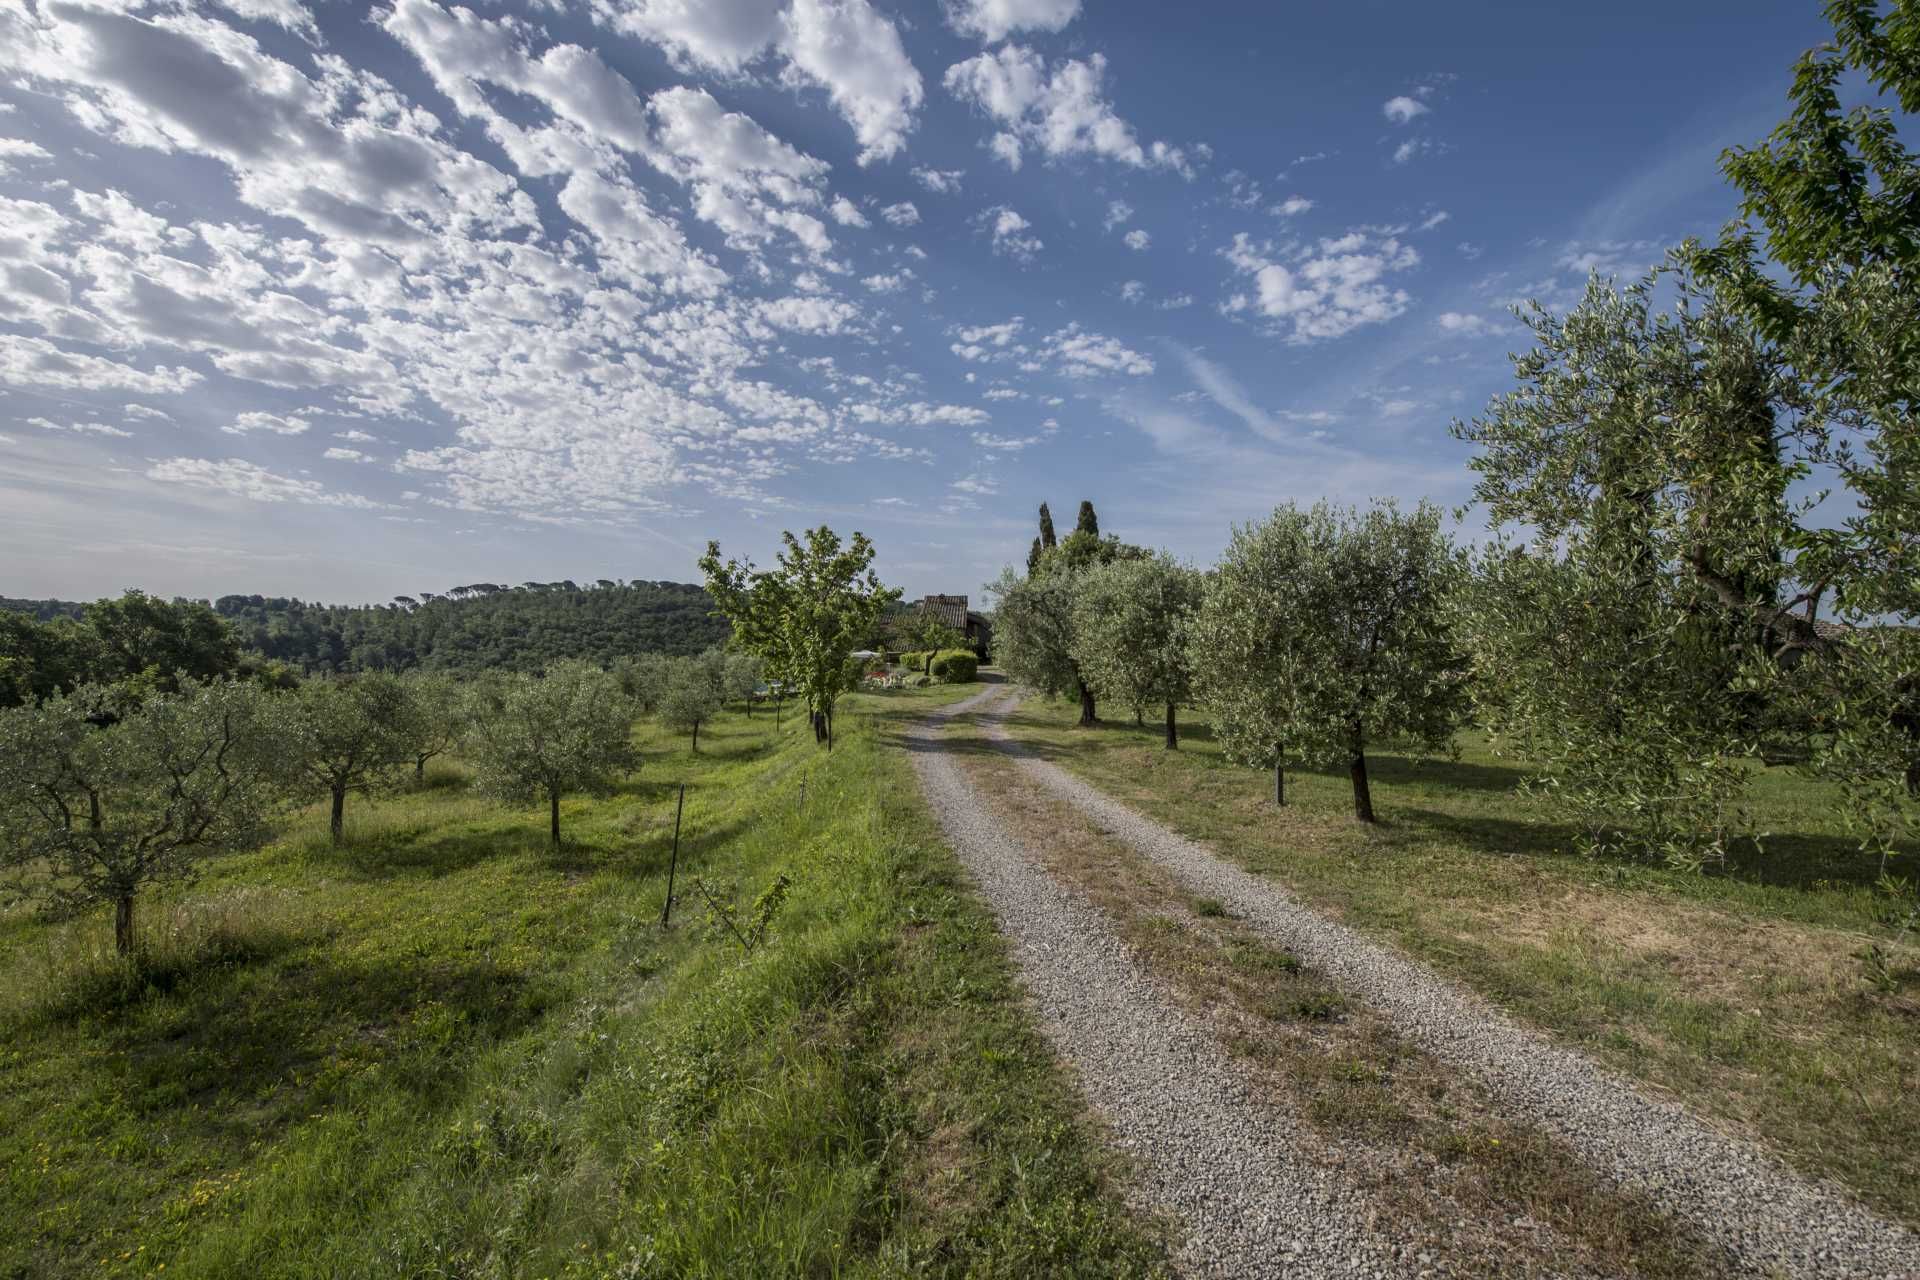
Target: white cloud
x,y
80,428
994,20
1467,326
356,436
1291,207
251,481
1324,290
1079,353
146,412
15,150
1175,303
1403,109
1009,232
902,214
1061,112
338,454
856,55
1138,240
1435,219
26,361
1005,444
943,181
272,423
1118,212
847,213
1409,149
1133,291
843,46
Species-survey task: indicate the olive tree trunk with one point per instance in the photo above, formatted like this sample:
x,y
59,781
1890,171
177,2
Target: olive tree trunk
x,y
1173,734
123,924
1087,717
338,825
1362,794
553,811
1279,783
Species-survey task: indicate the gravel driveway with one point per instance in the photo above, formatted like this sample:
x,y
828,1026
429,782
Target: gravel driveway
x,y
1774,1221
1226,1165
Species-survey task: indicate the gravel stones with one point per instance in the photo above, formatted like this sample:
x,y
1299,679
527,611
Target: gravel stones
x,y
1227,1166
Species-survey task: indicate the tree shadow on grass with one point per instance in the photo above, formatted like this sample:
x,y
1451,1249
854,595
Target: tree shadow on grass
x,y
259,1051
1799,861
431,854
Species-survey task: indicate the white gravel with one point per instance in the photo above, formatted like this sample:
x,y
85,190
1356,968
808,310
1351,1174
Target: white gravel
x,y
1774,1221
1226,1165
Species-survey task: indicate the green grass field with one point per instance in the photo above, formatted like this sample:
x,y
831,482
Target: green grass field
x,y
446,1050
1743,990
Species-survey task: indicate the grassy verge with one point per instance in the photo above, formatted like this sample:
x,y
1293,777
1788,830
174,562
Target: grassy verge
x,y
1741,991
445,1050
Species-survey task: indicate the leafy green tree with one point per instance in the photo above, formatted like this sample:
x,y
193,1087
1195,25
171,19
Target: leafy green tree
x,y
643,679
94,814
141,633
40,659
347,734
741,678
1826,262
1321,631
1129,633
1033,616
1593,671
806,616
691,696
435,717
548,736
1033,634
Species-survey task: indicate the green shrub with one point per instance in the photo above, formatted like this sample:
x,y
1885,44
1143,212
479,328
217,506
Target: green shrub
x,y
915,660
954,666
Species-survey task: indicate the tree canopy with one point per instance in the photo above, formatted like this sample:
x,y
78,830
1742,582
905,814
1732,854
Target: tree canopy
x,y
804,617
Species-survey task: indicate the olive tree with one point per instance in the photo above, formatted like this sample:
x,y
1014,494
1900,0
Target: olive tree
x,y
92,814
1322,631
435,718
1033,634
1034,615
691,695
806,616
349,733
1129,633
741,677
546,736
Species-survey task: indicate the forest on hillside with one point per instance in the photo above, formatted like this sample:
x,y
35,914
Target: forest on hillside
x,y
470,628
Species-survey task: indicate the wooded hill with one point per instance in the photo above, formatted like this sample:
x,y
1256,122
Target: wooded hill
x,y
468,628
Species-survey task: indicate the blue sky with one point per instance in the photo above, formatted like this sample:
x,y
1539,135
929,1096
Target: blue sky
x,y
346,301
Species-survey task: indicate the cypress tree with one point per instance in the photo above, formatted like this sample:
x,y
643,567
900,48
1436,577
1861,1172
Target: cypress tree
x,y
1088,522
1046,527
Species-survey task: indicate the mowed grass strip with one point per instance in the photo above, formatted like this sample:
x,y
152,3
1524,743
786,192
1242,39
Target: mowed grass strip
x,y
1461,1178
1740,990
448,1050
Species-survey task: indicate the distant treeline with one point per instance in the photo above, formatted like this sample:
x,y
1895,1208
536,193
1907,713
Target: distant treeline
x,y
482,626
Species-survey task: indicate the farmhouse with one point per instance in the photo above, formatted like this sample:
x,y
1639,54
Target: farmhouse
x,y
952,611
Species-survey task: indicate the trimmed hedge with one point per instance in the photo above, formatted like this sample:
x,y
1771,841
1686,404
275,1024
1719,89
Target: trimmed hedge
x,y
954,666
